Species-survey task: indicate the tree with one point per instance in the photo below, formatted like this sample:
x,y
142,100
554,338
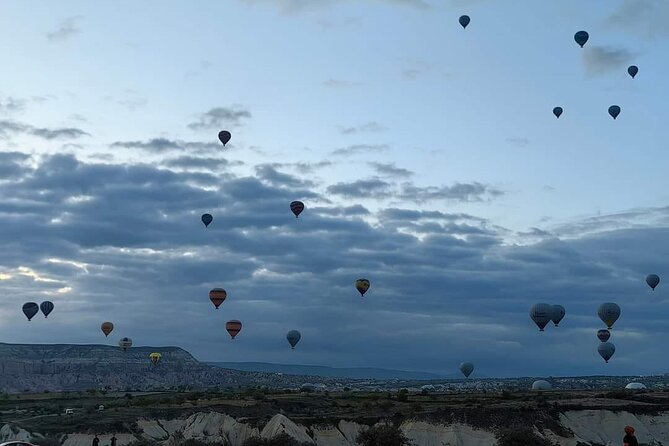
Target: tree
x,y
524,435
384,435
403,395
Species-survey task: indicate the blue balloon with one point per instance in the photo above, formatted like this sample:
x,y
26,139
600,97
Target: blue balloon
x,y
464,20
557,111
581,37
46,307
614,111
206,219
633,70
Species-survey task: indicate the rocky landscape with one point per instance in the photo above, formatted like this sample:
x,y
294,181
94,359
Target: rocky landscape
x,y
553,418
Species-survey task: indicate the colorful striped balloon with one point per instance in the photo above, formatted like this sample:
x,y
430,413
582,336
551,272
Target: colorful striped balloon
x,y
233,327
297,207
217,296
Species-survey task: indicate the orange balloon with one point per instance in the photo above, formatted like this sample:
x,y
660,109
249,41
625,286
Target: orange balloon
x,y
217,296
233,327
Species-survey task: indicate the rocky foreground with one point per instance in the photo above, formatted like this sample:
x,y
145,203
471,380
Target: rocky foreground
x,y
557,418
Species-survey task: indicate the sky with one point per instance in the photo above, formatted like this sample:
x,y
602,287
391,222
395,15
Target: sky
x,y
427,156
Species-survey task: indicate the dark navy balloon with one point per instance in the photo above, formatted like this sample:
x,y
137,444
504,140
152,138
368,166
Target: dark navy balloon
x,y
633,70
464,20
614,111
30,309
603,335
557,111
224,136
206,219
581,37
46,307
293,337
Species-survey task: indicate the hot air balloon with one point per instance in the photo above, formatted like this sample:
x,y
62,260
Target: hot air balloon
x,y
224,136
125,344
293,337
207,219
606,350
581,37
30,309
653,280
558,314
603,335
541,314
632,70
614,111
609,313
557,111
296,207
233,327
541,384
464,20
46,307
217,296
107,328
155,358
466,368
362,285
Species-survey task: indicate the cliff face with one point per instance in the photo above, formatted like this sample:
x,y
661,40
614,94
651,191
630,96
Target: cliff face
x,y
40,367
581,427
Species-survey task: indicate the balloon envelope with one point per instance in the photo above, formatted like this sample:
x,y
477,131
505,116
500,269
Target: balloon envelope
x,y
609,313
107,328
362,285
296,208
466,368
30,309
558,314
125,343
293,337
233,327
207,219
224,136
46,307
603,335
633,70
653,280
606,350
541,314
541,384
217,296
581,37
464,20
155,358
557,111
614,111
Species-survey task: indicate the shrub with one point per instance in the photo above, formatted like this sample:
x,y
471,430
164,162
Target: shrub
x,y
384,435
280,440
45,441
521,436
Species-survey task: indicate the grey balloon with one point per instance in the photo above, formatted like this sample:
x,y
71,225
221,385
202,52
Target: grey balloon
x,y
541,314
653,280
609,313
466,368
558,314
293,337
541,384
606,350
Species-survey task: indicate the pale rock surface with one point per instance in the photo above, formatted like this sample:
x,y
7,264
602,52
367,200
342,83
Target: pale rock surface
x,y
428,434
280,423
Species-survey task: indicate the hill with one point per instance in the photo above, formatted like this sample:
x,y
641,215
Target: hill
x,y
332,372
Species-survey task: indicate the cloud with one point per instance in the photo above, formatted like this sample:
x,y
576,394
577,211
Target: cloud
x,y
356,149
647,19
370,127
219,117
379,189
193,162
372,188
94,236
298,6
389,170
415,68
129,99
162,145
11,105
8,128
65,29
339,84
602,59
518,141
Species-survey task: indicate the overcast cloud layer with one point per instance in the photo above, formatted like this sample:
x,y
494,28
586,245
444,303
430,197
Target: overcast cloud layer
x,y
435,170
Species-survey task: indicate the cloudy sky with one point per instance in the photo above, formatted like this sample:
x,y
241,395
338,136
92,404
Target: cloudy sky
x,y
427,156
